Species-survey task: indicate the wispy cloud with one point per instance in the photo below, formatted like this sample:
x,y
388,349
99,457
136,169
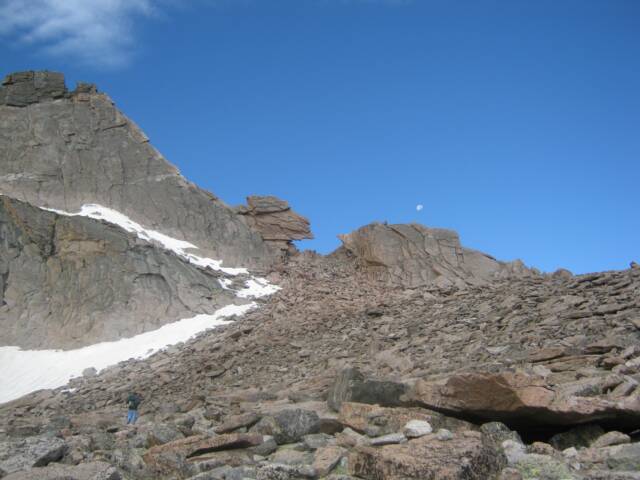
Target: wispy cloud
x,y
94,32
99,33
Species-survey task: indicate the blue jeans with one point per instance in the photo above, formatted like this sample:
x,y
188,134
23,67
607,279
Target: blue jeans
x,y
132,416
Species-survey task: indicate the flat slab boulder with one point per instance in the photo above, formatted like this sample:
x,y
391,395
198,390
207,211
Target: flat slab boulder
x,y
464,457
522,399
201,444
84,471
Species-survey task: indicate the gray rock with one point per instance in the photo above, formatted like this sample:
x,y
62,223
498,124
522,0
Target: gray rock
x,y
288,426
84,471
352,386
274,471
157,434
610,439
444,435
624,457
287,456
315,441
495,433
25,88
389,439
30,452
266,448
416,429
580,436
81,149
544,467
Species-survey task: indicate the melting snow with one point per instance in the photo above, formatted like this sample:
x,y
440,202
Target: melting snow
x,y
99,212
24,371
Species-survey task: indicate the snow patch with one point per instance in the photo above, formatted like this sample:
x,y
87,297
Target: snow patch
x,y
24,371
98,212
257,287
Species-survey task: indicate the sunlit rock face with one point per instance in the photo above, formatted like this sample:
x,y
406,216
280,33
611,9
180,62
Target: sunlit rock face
x,y
412,255
63,149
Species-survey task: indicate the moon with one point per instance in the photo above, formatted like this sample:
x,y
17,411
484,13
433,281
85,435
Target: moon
x,y
419,207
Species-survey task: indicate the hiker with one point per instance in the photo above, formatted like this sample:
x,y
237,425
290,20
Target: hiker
x,y
133,401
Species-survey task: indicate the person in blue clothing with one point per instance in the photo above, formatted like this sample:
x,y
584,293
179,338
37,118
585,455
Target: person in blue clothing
x,y
133,402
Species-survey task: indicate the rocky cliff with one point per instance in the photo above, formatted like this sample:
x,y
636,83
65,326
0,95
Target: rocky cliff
x,y
63,149
71,281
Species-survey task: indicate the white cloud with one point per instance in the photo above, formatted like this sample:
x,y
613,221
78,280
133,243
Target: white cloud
x,y
94,32
419,207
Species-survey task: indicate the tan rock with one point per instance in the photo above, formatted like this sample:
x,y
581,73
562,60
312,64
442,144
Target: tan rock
x,y
523,398
426,458
201,444
377,421
326,458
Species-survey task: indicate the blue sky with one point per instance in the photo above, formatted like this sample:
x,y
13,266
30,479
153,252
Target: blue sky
x,y
516,123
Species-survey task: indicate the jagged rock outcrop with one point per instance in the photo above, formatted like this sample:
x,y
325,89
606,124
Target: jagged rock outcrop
x,y
63,149
414,256
277,223
71,281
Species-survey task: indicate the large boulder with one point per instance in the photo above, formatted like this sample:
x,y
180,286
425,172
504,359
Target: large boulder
x,y
352,386
288,426
524,399
463,457
25,88
414,255
29,452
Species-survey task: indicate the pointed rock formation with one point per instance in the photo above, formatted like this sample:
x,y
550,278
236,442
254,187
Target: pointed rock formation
x,y
278,225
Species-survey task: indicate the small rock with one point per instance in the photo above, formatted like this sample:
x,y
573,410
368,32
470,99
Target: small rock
x,y
444,435
416,429
392,438
610,439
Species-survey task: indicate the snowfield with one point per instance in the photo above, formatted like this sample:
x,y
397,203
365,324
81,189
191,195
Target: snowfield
x,y
25,371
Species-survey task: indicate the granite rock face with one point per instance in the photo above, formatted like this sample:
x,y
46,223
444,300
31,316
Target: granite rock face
x,y
413,256
24,88
64,149
73,281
